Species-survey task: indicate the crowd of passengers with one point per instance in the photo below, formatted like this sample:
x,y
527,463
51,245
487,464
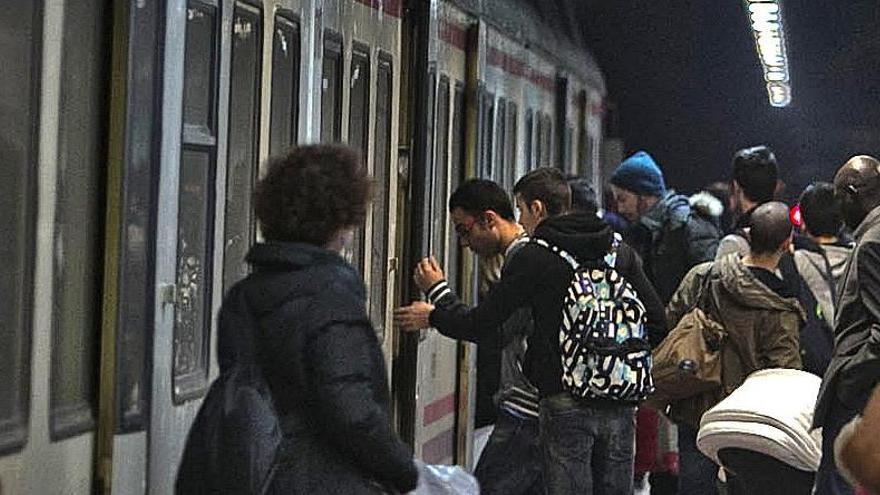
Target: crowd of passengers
x,y
717,343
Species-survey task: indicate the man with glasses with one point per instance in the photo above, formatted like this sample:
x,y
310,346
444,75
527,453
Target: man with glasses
x,y
483,219
580,446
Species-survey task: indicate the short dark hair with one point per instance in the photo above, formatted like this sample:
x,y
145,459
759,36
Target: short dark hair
x,y
770,226
476,196
755,170
312,192
583,196
819,210
545,184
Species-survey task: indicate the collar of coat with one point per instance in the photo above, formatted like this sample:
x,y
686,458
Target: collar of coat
x,y
743,286
872,219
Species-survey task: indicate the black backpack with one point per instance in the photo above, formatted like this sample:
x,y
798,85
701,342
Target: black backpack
x,y
816,336
235,440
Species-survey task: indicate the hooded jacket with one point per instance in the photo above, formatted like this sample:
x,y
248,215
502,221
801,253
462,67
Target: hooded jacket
x,y
322,361
538,279
813,262
670,240
763,326
855,366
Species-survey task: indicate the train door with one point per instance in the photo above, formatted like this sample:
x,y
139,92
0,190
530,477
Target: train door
x,y
53,111
436,428
359,84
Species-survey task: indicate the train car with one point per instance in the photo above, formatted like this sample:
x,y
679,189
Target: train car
x,y
135,132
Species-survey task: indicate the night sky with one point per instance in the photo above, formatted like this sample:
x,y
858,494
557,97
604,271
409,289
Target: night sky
x,y
688,87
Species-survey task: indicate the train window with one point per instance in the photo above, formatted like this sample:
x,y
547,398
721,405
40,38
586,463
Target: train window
x,y
381,175
441,171
331,90
528,142
568,158
430,163
19,83
488,132
458,138
244,117
285,81
79,221
456,165
192,321
359,108
539,141
511,137
358,126
500,142
200,67
546,137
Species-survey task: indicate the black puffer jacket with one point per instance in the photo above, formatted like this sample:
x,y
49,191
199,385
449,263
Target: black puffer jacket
x,y
671,239
325,368
538,279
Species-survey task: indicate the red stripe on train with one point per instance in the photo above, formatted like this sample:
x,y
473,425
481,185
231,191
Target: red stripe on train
x,y
512,65
390,7
439,409
439,448
453,34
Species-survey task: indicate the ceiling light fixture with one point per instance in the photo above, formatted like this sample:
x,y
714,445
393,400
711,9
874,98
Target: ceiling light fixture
x,y
765,18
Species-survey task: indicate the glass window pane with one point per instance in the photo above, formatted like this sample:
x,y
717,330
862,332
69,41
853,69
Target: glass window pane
x,y
381,176
79,220
19,24
359,109
244,105
331,92
192,319
285,85
510,149
456,165
201,48
488,132
528,142
500,141
441,170
430,163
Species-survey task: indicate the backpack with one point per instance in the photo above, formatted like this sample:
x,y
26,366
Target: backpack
x,y
816,336
235,440
603,342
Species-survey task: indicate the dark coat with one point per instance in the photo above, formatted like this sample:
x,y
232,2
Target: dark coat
x,y
763,325
670,240
855,366
538,279
325,369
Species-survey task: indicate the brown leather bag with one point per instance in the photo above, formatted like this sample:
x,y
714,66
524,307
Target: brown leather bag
x,y
687,364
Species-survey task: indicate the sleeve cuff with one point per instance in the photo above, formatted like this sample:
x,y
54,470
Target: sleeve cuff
x,y
438,291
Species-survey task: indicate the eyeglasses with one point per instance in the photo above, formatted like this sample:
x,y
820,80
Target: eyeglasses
x,y
462,230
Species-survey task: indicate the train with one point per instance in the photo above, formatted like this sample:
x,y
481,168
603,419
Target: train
x,y
134,134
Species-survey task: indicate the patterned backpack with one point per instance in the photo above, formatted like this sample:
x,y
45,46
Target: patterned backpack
x,y
602,339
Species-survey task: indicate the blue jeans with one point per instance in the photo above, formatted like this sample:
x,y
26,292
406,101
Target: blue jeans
x,y
828,479
511,462
697,473
587,448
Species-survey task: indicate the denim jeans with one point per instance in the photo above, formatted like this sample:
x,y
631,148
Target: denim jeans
x,y
828,479
587,448
697,474
511,462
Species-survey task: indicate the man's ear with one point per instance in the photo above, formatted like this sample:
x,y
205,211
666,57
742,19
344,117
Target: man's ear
x,y
538,209
490,218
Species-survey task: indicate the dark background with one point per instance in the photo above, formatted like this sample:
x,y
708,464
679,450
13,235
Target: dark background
x,y
684,83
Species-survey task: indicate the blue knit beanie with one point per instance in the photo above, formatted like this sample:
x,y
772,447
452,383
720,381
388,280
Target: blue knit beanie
x,y
641,175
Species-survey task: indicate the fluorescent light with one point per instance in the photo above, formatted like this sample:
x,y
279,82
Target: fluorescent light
x,y
765,18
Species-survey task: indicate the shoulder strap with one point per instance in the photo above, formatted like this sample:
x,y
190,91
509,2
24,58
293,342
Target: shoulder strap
x,y
828,277
609,259
560,252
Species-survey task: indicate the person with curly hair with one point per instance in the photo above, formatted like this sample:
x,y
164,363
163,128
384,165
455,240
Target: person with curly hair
x,y
315,343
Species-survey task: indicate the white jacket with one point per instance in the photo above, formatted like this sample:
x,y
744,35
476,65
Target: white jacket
x,y
770,413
